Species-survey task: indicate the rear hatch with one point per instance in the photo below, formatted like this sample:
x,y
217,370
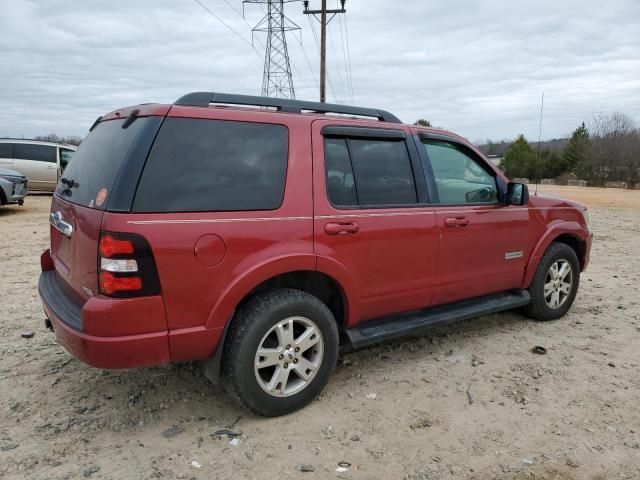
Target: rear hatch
x,y
80,200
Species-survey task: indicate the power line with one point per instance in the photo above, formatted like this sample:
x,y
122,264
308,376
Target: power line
x,y
315,36
336,62
210,12
304,52
346,56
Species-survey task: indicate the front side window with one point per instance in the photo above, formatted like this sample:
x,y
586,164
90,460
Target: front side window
x,y
198,165
39,153
459,178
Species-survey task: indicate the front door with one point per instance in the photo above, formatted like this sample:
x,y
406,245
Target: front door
x,y
371,216
483,242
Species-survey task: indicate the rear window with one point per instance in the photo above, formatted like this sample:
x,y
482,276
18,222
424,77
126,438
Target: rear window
x,y
200,165
6,150
91,173
39,153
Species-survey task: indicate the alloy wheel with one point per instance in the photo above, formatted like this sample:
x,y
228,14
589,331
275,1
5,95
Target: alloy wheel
x,y
558,284
289,356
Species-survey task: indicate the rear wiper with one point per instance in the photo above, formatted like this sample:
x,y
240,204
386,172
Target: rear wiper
x,y
69,182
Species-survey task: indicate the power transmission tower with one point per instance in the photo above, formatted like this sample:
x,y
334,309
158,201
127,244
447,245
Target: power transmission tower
x,y
325,16
277,80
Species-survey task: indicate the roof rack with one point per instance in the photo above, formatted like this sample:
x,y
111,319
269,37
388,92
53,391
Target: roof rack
x,y
204,99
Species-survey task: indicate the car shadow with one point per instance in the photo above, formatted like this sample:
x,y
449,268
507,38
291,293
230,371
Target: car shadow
x,y
181,394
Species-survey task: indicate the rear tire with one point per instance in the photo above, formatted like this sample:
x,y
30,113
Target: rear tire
x,y
281,350
555,283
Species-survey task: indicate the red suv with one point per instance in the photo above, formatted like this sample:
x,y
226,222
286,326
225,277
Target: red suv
x,y
261,235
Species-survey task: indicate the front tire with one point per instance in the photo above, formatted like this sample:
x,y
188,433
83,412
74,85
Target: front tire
x,y
555,283
281,351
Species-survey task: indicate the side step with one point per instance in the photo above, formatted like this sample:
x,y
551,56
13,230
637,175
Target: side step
x,y
387,328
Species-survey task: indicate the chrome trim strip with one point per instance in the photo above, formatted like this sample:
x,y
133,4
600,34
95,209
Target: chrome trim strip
x,y
56,220
434,211
215,220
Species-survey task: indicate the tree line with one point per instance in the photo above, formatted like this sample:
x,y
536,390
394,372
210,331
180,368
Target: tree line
x,y
52,137
607,149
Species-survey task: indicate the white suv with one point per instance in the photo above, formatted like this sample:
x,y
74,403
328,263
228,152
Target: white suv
x,y
41,162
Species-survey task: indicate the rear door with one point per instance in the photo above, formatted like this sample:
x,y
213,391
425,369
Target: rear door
x,y
483,242
372,215
6,155
80,200
39,163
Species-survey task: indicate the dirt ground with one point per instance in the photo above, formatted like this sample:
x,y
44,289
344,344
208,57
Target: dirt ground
x,y
470,401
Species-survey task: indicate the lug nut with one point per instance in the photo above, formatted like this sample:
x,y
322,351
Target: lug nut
x,y
288,347
297,349
295,360
286,365
280,357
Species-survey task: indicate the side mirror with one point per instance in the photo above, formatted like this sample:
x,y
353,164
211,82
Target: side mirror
x,y
517,194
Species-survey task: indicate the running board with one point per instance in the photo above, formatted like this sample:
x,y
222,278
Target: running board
x,y
387,328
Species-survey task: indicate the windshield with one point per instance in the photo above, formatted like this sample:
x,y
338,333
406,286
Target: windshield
x,y
91,173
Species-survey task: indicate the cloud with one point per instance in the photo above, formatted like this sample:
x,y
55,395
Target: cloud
x,y
475,67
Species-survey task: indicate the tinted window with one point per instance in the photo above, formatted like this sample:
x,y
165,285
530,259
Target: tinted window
x,y
383,172
341,187
6,150
97,161
213,165
65,156
460,179
40,153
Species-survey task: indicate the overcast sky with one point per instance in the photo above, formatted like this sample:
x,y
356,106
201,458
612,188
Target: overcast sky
x,y
474,67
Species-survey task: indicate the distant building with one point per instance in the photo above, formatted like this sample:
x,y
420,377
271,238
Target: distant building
x,y
495,159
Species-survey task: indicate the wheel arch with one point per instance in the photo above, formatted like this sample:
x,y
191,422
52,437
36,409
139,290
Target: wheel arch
x,y
570,233
271,276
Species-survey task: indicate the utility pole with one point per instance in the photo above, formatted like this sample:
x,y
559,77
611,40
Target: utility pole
x,y
277,80
324,20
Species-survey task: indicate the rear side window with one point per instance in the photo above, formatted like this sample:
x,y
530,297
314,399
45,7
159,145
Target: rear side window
x,y
39,153
6,150
341,186
89,177
383,172
369,173
200,165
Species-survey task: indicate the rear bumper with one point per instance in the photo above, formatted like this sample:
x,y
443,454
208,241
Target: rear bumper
x,y
70,323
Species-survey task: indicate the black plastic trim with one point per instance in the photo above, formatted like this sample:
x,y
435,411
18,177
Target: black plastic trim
x,y
363,132
204,99
54,296
126,181
396,326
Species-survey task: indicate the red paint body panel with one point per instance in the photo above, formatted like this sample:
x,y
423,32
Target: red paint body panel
x,y
113,351
396,260
113,317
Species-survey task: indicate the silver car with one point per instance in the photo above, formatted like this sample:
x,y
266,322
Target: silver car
x,y
13,187
41,162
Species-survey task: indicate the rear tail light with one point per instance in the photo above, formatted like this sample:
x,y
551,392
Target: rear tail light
x,y
126,266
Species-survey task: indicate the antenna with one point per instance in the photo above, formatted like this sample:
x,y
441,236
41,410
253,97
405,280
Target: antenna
x,y
539,140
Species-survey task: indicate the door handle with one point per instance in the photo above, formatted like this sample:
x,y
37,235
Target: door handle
x,y
341,228
454,222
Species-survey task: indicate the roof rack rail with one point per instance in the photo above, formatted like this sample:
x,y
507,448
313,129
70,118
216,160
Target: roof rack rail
x,y
204,99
